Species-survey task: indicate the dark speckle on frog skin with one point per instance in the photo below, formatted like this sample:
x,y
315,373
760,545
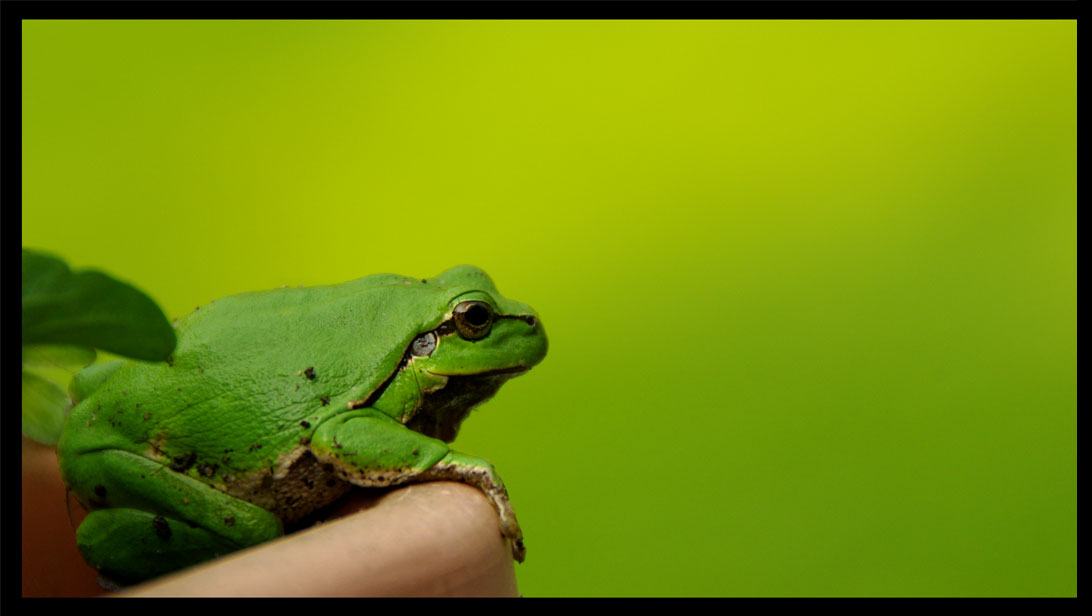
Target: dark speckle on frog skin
x,y
183,463
162,528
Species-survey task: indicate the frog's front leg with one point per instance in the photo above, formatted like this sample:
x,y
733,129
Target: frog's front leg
x,y
481,474
147,519
369,449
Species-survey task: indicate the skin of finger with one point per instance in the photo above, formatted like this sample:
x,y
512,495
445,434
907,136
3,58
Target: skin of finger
x,y
52,565
429,539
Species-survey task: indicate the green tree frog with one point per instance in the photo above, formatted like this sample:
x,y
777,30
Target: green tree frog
x,y
275,403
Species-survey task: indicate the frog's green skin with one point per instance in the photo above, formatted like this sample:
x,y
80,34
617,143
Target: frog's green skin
x,y
275,403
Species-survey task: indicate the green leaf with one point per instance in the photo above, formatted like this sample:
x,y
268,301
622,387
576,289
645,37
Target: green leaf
x,y
45,405
90,309
57,356
58,364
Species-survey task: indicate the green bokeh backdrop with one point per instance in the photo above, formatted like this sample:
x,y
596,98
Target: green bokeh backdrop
x,y
810,286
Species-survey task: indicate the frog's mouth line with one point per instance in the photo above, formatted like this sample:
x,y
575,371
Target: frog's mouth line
x,y
514,370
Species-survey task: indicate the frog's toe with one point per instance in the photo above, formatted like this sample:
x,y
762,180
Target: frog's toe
x,y
510,530
519,551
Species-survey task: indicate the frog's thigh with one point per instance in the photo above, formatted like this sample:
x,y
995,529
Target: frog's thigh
x,y
127,480
372,450
131,544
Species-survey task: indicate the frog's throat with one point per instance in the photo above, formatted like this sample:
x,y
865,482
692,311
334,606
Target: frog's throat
x,y
441,411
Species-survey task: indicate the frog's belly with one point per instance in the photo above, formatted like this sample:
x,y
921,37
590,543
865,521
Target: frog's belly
x,y
308,486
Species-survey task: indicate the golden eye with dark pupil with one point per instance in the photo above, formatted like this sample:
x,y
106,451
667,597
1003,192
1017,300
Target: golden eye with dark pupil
x,y
473,319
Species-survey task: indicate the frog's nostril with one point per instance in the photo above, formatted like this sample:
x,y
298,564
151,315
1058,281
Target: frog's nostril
x,y
532,322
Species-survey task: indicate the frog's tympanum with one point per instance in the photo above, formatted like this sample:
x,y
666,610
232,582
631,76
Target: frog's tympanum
x,y
274,404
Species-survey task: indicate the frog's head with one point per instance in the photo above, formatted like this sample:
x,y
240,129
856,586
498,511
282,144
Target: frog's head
x,y
482,340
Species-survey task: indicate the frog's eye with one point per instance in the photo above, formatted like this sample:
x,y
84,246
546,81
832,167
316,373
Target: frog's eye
x,y
473,319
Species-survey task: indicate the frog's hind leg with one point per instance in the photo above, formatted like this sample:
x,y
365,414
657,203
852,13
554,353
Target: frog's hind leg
x,y
134,545
149,519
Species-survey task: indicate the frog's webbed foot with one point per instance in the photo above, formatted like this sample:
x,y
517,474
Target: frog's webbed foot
x,y
479,473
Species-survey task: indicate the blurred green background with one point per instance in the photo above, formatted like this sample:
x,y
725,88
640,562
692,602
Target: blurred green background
x,y
810,286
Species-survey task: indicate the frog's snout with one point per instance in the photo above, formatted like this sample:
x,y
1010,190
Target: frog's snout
x,y
536,343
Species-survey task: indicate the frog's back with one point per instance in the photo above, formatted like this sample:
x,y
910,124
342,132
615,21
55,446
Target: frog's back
x,y
252,374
